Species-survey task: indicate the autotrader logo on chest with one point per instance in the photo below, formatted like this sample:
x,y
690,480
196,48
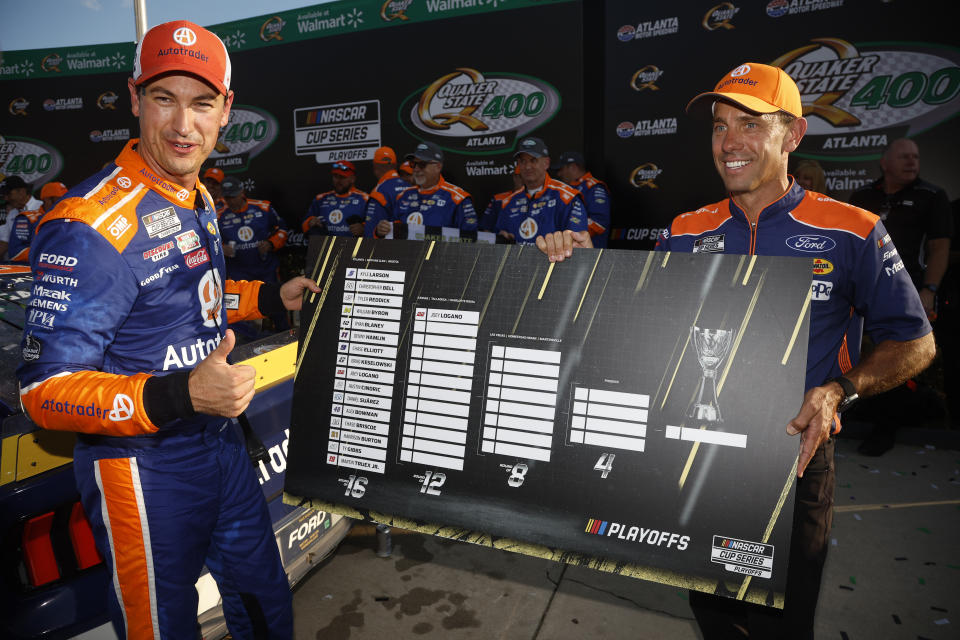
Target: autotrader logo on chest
x,y
811,243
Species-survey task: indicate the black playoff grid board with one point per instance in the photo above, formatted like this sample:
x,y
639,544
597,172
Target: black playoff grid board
x,y
461,388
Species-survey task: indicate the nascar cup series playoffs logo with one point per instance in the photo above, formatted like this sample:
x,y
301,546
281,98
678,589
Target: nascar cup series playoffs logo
x,y
473,113
249,131
858,100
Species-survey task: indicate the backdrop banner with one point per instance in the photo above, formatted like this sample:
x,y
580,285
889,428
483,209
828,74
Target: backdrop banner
x,y
623,409
868,74
325,83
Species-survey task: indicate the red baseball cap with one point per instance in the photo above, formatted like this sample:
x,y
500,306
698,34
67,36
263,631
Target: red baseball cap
x,y
186,47
756,87
215,173
343,168
384,155
53,190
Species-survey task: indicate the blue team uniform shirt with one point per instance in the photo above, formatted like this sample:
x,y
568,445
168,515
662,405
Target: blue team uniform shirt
x,y
553,207
247,228
596,200
335,211
382,204
859,282
443,205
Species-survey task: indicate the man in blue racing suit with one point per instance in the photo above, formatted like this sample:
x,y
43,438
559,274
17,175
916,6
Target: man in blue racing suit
x,y
252,231
433,202
544,205
858,283
126,344
339,212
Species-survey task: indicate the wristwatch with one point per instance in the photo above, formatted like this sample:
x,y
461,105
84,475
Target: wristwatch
x,y
850,395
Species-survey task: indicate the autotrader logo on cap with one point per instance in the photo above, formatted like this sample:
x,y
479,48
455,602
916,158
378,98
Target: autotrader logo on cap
x,y
185,36
742,70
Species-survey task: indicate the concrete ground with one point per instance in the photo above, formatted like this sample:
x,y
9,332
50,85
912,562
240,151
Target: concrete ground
x,y
893,572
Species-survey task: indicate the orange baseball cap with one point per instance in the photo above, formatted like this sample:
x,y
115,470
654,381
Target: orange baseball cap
x,y
53,190
215,173
182,46
756,87
384,155
343,168
405,167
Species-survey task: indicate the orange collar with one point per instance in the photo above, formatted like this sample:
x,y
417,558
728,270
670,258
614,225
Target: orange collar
x,y
132,162
389,174
434,188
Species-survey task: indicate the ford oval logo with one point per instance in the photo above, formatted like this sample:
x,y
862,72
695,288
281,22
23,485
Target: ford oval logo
x,y
811,243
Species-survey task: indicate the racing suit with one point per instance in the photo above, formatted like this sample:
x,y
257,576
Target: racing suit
x,y
383,201
336,213
257,221
596,199
129,279
21,234
443,205
858,283
554,206
488,220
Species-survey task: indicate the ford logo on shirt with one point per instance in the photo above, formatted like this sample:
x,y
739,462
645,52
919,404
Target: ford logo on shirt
x,y
811,243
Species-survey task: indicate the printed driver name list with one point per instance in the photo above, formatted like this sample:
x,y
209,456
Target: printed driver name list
x,y
438,394
366,365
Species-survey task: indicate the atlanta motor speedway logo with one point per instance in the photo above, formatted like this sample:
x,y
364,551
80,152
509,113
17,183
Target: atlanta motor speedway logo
x,y
472,113
859,99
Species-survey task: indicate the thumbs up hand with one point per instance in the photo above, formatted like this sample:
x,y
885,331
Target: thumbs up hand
x,y
218,388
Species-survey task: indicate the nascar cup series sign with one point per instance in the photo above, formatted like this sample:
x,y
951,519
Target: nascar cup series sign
x,y
332,132
476,114
857,99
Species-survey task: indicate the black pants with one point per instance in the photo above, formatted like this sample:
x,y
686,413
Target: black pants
x,y
718,617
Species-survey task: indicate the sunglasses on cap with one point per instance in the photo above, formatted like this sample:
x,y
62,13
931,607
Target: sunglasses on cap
x,y
341,166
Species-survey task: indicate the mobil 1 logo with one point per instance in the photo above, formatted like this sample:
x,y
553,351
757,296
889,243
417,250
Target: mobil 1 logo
x,y
344,131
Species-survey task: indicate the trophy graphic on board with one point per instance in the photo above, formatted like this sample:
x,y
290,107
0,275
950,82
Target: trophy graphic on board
x,y
712,346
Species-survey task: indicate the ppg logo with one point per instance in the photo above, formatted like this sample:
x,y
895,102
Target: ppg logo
x,y
820,290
